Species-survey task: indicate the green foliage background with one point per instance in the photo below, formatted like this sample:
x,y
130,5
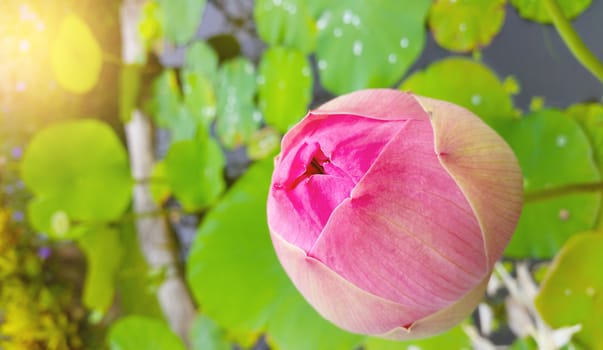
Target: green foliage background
x,y
68,247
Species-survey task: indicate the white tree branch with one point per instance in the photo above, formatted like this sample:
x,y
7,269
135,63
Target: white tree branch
x,y
156,242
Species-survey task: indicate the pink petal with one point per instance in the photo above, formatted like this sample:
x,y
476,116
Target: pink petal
x,y
407,234
485,169
335,298
319,171
442,320
385,104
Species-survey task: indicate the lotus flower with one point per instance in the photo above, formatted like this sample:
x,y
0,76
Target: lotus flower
x,y
388,211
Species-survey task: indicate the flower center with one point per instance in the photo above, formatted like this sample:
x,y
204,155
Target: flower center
x,y
314,166
318,172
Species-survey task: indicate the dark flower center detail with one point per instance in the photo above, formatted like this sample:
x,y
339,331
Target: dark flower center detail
x,y
315,166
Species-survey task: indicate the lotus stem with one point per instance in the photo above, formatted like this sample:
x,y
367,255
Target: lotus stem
x,y
573,41
562,191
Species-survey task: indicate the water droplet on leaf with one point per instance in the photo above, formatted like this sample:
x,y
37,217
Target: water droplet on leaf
x,y
291,8
347,16
357,49
476,99
561,141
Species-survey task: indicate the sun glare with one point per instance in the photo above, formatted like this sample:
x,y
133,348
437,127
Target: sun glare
x,y
25,38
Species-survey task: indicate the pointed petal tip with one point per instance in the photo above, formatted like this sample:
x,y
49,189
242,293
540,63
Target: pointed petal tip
x,y
441,321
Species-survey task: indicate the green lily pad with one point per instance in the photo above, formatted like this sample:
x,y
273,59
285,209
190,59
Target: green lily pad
x,y
104,252
200,57
571,292
318,7
169,111
78,168
546,143
137,332
455,338
135,295
76,56
205,334
236,279
149,25
165,98
285,87
590,118
198,76
286,23
180,18
367,44
47,216
536,10
264,143
465,25
237,117
199,97
468,83
194,172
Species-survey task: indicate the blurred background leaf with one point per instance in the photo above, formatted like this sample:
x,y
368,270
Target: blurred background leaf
x,y
238,117
205,334
69,166
194,172
468,83
536,10
287,23
76,56
180,18
543,141
571,290
137,332
466,25
366,44
103,252
285,87
237,281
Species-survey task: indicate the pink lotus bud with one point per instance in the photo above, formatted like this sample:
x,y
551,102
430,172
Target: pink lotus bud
x,y
388,211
